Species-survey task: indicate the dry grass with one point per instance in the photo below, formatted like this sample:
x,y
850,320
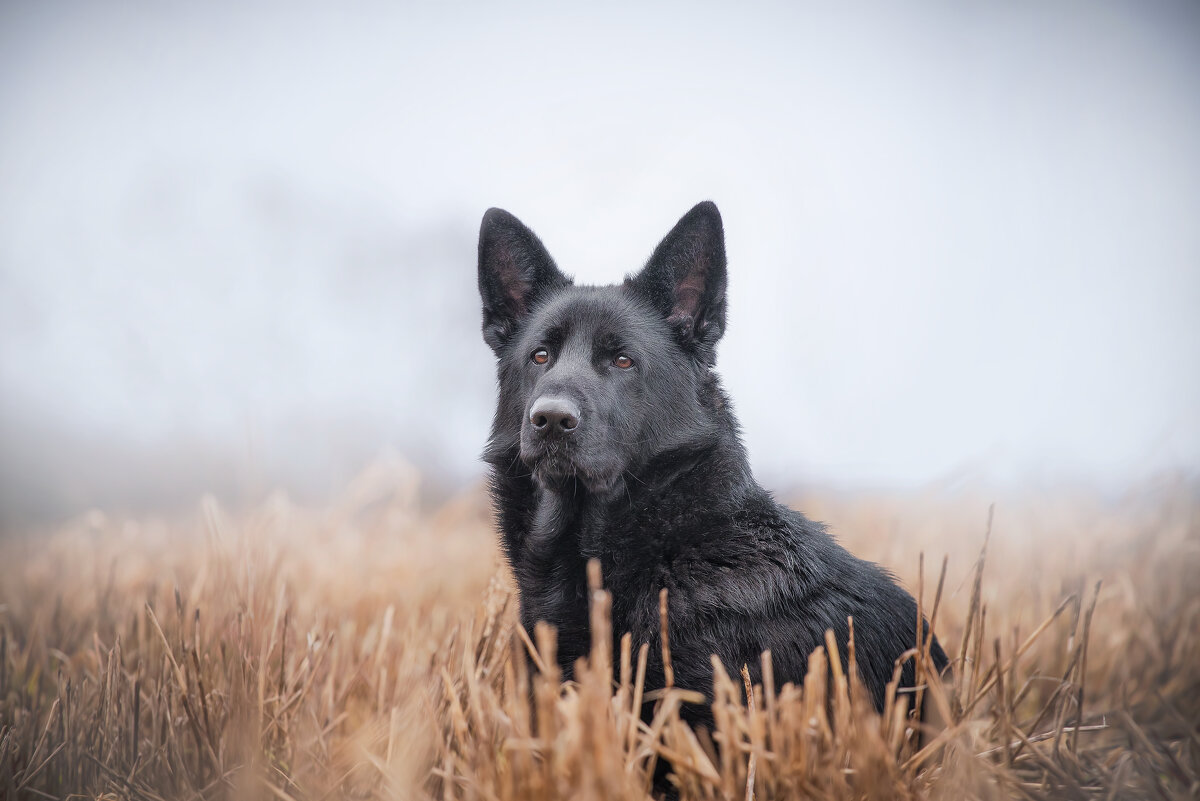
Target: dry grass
x,y
367,650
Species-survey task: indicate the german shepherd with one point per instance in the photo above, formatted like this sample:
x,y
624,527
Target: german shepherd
x,y
614,440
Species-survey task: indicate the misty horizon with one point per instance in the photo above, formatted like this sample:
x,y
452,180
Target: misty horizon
x,y
237,245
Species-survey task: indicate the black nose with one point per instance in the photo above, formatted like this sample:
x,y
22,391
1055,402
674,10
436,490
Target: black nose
x,y
554,415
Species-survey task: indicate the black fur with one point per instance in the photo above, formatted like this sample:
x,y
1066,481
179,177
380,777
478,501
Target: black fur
x,y
653,481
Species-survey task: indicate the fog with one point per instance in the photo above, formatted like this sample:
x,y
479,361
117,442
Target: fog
x,y
237,241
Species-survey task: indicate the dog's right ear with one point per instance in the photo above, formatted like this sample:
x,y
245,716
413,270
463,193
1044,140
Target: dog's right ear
x,y
685,280
514,271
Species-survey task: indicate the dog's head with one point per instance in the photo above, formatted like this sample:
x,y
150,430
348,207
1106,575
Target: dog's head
x,y
595,381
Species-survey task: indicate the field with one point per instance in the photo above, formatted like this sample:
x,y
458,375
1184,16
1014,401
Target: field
x,y
366,650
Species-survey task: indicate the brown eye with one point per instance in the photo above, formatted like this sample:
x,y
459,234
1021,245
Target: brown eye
x,y
623,361
541,356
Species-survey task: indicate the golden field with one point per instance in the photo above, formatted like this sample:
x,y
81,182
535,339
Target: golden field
x,y
366,649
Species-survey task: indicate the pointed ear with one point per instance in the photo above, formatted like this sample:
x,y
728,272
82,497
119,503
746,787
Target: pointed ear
x,y
685,280
514,271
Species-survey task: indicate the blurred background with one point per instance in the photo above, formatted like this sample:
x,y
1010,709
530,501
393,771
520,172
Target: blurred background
x,y
237,240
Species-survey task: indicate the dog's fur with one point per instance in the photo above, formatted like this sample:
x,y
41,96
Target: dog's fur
x,y
652,478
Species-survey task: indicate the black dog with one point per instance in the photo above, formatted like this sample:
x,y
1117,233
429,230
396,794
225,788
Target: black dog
x,y
614,440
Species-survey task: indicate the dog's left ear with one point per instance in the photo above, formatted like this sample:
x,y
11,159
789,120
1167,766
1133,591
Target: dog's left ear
x,y
685,280
515,271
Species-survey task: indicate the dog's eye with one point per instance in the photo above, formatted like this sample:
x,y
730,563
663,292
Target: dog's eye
x,y
541,356
623,361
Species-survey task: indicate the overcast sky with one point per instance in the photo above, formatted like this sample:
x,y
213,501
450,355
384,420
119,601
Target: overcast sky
x,y
237,239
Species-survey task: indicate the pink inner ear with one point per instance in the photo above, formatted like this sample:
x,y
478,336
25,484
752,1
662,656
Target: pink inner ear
x,y
687,298
689,290
509,274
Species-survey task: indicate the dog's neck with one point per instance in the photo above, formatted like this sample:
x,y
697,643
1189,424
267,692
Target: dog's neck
x,y
569,515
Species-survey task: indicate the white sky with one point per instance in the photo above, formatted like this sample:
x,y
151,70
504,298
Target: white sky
x,y
237,240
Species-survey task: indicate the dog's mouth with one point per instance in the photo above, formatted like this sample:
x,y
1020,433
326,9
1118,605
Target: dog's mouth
x,y
558,465
549,459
